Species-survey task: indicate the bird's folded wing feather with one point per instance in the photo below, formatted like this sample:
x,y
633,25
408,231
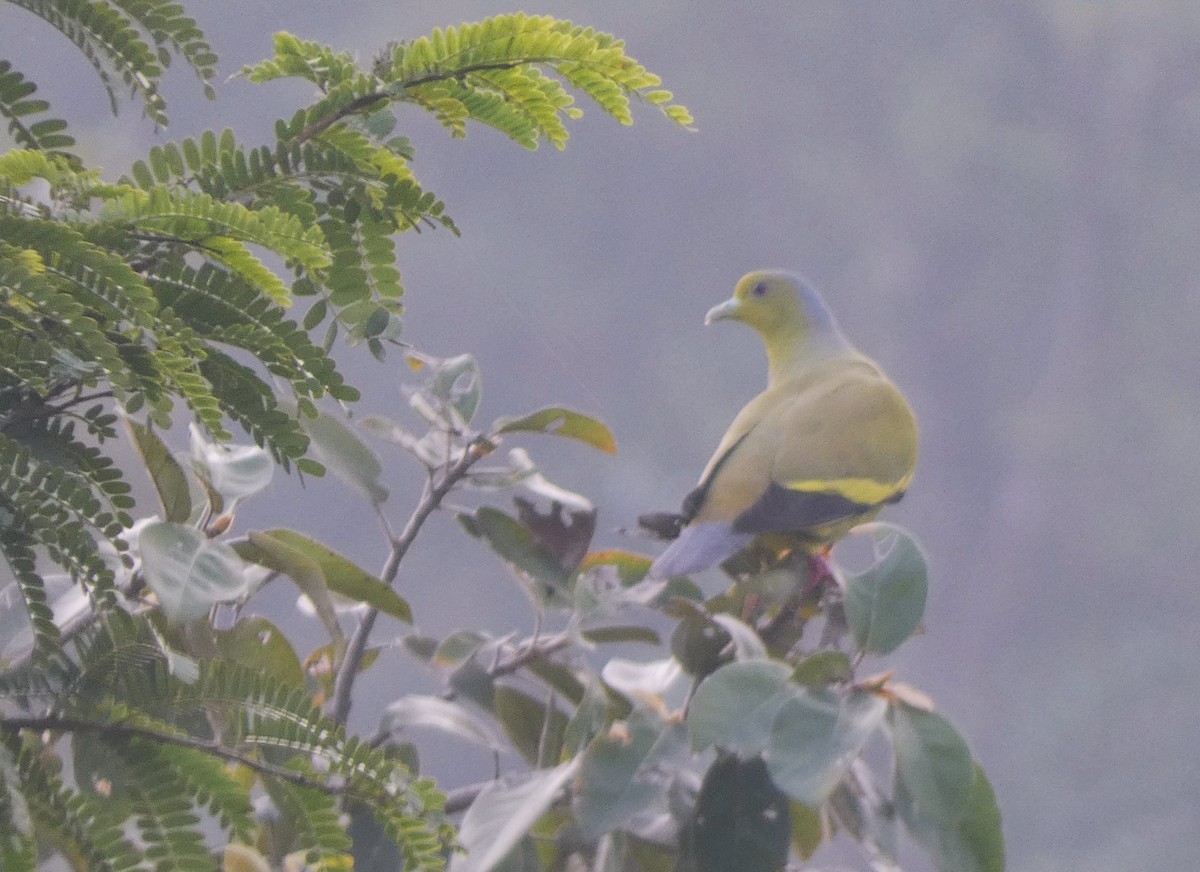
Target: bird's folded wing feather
x,y
818,453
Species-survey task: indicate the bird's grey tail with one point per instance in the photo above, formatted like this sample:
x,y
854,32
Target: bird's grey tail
x,y
699,547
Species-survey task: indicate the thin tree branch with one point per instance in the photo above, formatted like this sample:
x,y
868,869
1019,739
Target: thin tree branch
x,y
431,499
358,104
120,731
528,654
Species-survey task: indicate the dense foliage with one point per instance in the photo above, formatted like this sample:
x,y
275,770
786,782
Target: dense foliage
x,y
149,719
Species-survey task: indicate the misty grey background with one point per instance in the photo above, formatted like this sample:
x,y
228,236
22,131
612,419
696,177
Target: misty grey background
x,y
1000,201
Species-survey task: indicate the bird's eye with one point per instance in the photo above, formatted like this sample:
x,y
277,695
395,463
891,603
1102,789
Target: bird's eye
x,y
760,290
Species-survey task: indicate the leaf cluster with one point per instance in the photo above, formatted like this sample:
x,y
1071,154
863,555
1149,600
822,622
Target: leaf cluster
x,y
162,746
128,43
747,744
170,289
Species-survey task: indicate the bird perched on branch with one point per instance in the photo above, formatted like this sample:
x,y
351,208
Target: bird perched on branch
x,y
825,447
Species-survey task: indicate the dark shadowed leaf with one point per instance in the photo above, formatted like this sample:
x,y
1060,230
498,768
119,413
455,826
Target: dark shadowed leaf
x,y
535,729
742,822
373,850
858,806
516,546
560,421
565,537
700,646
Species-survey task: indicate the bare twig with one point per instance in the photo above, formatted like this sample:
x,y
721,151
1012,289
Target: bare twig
x,y
528,654
435,491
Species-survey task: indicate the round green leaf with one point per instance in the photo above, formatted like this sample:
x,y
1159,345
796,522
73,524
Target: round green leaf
x,y
736,706
815,738
884,604
534,729
974,843
822,668
188,572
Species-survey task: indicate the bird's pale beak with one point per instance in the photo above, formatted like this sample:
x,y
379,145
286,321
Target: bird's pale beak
x,y
728,309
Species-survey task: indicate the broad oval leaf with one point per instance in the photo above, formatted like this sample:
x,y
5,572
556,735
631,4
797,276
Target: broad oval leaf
x,y
272,553
256,640
659,679
736,706
504,812
822,668
188,572
934,767
885,603
460,646
975,843
345,578
431,711
561,421
625,770
816,737
347,456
